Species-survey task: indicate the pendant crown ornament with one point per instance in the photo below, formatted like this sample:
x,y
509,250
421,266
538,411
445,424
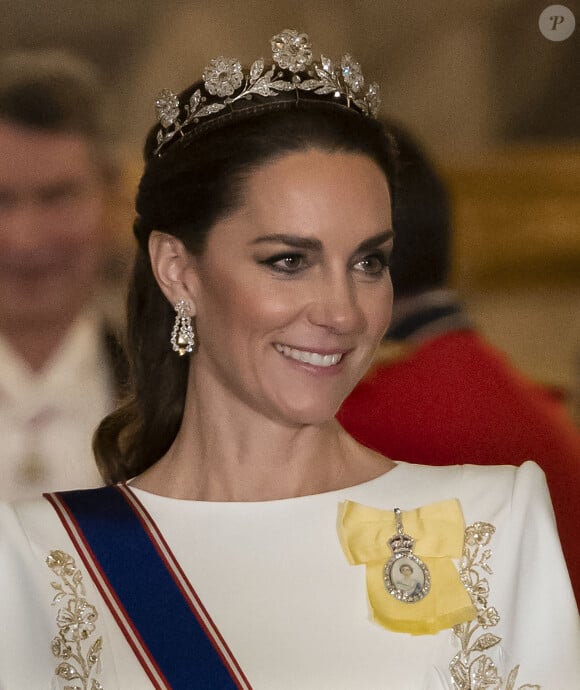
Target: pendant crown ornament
x,y
417,584
292,69
401,543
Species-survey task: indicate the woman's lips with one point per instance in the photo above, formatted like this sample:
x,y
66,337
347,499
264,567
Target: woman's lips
x,y
316,359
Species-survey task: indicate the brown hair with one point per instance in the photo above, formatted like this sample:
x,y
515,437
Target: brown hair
x,y
55,91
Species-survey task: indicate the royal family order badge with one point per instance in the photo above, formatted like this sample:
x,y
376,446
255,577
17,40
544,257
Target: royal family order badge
x,y
406,577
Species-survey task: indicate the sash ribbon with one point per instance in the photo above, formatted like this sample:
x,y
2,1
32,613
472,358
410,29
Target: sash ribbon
x,y
148,594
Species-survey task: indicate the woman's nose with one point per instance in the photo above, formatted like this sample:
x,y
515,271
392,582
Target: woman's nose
x,y
335,305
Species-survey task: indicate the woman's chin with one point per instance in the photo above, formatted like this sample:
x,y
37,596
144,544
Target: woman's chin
x,y
314,415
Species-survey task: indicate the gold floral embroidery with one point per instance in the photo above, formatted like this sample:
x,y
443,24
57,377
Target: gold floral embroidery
x,y
80,657
471,668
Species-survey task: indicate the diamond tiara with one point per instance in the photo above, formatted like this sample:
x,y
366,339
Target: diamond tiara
x,y
292,69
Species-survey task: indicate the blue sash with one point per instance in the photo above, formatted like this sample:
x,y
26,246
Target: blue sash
x,y
155,605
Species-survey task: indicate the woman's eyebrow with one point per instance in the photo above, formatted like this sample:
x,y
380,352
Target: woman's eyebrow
x,y
291,240
314,244
375,241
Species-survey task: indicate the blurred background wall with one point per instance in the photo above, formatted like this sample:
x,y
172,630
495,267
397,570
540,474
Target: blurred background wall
x,y
494,101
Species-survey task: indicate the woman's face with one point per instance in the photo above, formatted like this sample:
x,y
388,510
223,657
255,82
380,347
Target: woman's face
x,y
292,294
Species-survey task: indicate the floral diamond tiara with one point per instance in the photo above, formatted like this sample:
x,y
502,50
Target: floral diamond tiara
x,y
292,69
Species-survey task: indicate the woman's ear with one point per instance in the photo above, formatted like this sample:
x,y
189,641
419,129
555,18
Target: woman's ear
x,y
172,267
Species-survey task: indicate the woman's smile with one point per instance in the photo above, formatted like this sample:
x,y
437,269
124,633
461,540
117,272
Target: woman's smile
x,y
317,359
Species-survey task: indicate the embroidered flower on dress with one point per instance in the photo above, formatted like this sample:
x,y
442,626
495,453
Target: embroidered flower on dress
x,y
488,618
76,620
61,563
479,534
484,674
472,668
223,76
352,73
291,50
167,105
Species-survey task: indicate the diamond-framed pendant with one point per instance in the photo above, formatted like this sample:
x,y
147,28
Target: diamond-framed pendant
x,y
405,575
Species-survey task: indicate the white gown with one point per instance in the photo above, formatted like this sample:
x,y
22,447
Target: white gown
x,y
292,610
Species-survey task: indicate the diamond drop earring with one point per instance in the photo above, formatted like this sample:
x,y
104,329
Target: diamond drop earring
x,y
182,335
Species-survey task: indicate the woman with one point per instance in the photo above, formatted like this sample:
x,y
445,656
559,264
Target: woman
x,y
407,581
265,220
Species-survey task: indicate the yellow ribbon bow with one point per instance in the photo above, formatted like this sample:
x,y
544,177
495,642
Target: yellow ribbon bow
x,y
438,531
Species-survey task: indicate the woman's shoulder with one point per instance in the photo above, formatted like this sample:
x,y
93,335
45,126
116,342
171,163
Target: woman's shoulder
x,y
527,475
18,512
33,525
527,472
23,523
482,490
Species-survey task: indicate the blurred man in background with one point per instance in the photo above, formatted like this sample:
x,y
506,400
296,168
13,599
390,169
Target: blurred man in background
x,y
59,361
439,394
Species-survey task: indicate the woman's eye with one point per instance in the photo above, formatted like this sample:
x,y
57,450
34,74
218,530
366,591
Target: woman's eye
x,y
374,265
287,263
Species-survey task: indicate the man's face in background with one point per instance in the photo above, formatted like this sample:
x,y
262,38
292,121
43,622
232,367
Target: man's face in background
x,y
51,224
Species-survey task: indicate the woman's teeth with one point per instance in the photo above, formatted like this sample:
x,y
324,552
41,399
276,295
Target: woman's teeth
x,y
309,357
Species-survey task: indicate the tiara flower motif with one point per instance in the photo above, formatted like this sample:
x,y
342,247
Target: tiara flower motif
x,y
292,69
291,50
167,105
223,76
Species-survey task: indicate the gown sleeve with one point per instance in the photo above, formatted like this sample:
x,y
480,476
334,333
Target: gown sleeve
x,y
539,617
26,635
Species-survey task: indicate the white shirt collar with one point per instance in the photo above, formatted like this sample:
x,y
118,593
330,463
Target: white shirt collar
x,y
77,362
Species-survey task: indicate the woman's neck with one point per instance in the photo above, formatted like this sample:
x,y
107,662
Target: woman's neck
x,y
237,454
